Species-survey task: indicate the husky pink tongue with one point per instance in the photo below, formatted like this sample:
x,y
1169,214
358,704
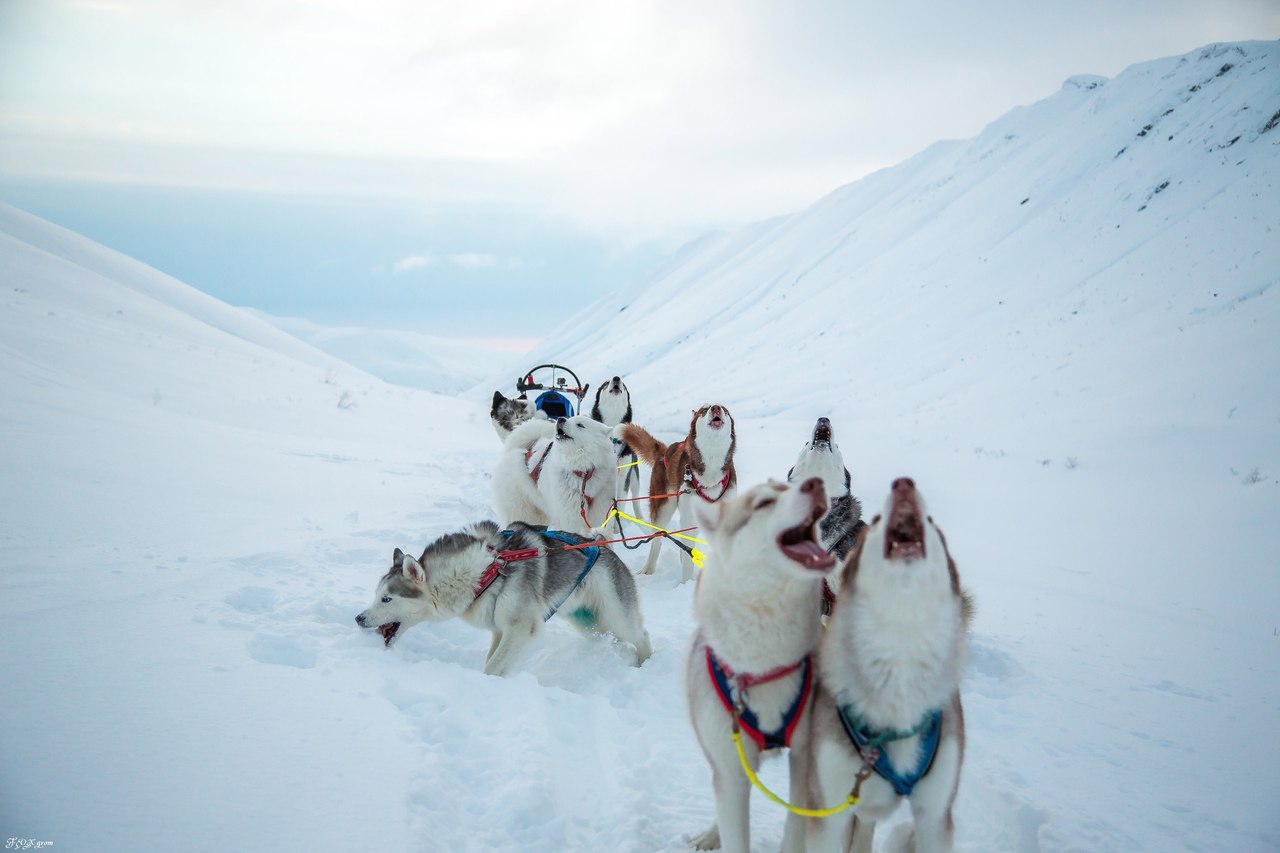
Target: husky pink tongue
x,y
809,554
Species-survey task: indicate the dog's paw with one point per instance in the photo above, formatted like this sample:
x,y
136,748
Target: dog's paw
x,y
709,840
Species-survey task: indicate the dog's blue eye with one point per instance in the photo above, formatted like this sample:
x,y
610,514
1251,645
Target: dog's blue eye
x,y
386,599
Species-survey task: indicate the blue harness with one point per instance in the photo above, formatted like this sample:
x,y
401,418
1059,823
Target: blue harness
x,y
869,743
590,553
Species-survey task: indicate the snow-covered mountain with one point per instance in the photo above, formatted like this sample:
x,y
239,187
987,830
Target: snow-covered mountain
x,y
1110,248
1064,329
413,359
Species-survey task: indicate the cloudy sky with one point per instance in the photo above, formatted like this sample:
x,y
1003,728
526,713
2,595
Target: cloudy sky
x,y
458,166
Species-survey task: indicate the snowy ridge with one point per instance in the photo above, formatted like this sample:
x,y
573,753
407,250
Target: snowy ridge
x,y
1084,386
1147,199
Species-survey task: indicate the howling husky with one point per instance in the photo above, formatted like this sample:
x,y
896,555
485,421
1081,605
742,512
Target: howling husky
x,y
821,457
561,474
699,467
613,407
887,708
751,666
509,582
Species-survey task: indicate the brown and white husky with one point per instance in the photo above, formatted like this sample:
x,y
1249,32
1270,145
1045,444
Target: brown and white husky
x,y
888,696
699,468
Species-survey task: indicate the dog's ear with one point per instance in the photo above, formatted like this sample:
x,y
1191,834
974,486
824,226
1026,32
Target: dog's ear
x,y
413,571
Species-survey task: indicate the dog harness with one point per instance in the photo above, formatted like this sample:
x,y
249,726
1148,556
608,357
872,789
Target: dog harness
x,y
869,742
698,488
727,684
502,558
536,471
584,506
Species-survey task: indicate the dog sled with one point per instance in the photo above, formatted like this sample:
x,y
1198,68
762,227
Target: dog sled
x,y
552,380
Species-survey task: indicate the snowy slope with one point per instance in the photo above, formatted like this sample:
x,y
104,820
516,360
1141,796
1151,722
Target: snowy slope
x,y
413,359
214,501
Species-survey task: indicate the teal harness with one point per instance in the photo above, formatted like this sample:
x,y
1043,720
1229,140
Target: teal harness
x,y
869,743
591,553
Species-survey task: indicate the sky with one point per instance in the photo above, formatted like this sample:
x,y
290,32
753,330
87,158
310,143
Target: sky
x,y
484,169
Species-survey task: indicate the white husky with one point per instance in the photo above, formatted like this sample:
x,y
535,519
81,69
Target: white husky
x,y
758,610
888,698
560,474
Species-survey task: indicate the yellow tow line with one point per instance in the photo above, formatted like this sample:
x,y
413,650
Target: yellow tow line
x,y
697,555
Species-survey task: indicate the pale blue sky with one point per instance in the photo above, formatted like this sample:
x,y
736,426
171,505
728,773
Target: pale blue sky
x,y
475,165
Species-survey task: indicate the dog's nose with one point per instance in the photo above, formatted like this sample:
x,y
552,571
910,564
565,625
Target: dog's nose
x,y
560,422
903,486
360,620
824,422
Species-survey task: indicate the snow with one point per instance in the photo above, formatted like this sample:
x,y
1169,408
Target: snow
x,y
1084,385
433,362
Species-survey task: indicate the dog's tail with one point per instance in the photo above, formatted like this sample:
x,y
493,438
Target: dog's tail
x,y
648,448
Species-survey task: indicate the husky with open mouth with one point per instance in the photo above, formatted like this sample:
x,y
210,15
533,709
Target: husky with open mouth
x,y
559,473
821,457
750,669
887,707
698,468
612,407
509,582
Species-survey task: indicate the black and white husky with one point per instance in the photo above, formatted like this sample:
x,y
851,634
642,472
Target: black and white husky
x,y
562,474
509,582
887,705
821,457
612,407
507,413
758,615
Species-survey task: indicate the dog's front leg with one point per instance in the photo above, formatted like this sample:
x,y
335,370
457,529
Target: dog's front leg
x,y
733,793
510,646
493,645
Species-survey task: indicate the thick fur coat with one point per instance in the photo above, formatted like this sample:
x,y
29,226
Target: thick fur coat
x,y
560,474
892,655
446,583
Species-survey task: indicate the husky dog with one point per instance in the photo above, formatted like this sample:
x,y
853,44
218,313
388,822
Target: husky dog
x,y
756,605
701,463
561,474
821,457
509,582
507,413
887,709
613,407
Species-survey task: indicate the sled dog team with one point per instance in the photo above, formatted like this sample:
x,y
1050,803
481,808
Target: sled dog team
x,y
866,704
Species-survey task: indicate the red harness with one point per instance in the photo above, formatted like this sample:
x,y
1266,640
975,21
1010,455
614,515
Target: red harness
x,y
501,558
726,682
698,489
585,506
537,469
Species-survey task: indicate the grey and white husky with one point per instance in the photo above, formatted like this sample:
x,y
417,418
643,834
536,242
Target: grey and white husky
x,y
612,407
821,457
509,582
887,706
757,608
